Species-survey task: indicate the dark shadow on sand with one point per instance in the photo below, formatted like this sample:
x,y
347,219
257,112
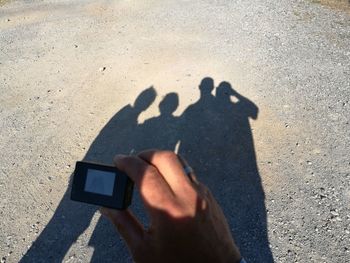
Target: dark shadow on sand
x,y
213,134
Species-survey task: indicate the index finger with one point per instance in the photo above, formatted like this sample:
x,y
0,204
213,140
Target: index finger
x,y
154,190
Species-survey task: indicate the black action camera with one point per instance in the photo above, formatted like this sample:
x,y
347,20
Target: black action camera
x,y
101,185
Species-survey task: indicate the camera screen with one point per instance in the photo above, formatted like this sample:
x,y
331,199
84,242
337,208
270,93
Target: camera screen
x,y
99,182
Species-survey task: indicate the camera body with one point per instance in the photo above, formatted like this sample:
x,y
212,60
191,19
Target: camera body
x,y
101,185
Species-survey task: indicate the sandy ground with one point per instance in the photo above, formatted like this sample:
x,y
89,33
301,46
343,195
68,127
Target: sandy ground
x,y
66,68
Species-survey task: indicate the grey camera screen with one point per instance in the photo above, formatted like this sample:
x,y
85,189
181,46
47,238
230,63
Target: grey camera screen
x,y
99,182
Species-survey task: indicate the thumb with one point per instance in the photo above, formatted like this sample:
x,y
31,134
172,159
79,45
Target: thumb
x,y
127,225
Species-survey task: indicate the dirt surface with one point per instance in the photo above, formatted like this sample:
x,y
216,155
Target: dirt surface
x,y
340,4
273,147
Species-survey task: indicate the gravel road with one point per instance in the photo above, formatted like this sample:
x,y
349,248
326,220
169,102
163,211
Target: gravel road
x,y
272,143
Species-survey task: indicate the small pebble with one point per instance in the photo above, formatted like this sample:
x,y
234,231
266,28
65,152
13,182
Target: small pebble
x,y
334,213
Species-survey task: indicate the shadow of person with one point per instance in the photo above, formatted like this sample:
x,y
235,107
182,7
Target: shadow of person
x,y
162,132
215,137
197,128
217,141
71,219
158,133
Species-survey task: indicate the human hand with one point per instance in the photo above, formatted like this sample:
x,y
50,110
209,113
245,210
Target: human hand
x,y
186,223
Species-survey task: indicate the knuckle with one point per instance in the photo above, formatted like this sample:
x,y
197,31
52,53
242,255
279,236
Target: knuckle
x,y
167,155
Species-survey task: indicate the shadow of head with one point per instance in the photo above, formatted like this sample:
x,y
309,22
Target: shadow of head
x,y
206,86
145,99
169,104
225,90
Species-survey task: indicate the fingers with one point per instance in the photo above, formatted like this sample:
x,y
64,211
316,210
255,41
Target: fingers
x,y
171,168
154,190
127,225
